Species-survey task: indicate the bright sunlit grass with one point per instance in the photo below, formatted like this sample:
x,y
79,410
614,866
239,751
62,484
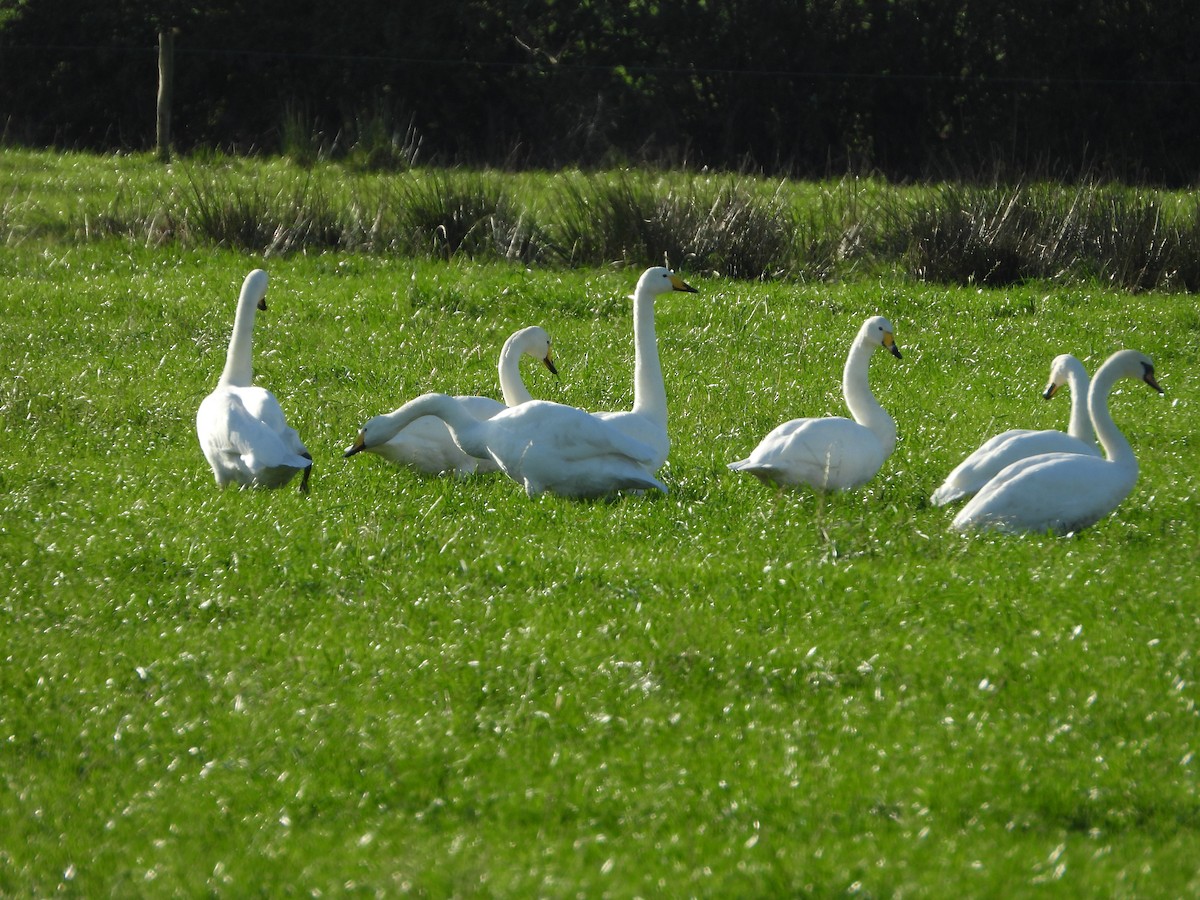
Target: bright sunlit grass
x,y
408,684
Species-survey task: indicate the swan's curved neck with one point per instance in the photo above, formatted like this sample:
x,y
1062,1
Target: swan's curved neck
x,y
511,385
461,423
238,371
1116,447
1080,425
649,391
862,403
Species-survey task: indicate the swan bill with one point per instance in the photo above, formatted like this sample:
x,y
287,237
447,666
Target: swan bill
x,y
680,285
549,362
357,447
1148,377
890,342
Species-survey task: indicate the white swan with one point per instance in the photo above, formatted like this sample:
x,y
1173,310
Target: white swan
x,y
542,445
427,445
1017,443
1064,492
647,421
241,427
833,453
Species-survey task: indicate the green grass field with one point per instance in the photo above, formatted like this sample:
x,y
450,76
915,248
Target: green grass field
x,y
401,684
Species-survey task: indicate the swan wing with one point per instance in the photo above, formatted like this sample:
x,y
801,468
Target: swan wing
x,y
1058,492
831,453
1001,451
427,446
262,405
244,449
570,433
549,446
642,429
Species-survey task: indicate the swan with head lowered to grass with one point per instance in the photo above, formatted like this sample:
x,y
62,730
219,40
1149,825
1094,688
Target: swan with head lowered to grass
x,y
241,427
1066,492
833,453
427,445
1018,443
541,445
647,421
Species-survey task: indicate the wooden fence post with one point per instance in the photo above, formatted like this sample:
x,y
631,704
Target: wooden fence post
x,y
166,84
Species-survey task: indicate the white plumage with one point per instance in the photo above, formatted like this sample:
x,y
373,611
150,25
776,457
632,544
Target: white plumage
x,y
647,421
427,445
1066,492
1018,443
541,445
241,428
833,453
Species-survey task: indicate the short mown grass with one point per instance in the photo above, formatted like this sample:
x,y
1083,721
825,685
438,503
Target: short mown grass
x,y
403,684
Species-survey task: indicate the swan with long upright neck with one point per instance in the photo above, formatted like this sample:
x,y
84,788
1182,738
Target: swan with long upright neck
x,y
1018,443
427,445
647,421
833,453
1066,492
241,427
541,445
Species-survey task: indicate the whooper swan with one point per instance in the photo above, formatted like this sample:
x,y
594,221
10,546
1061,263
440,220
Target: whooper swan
x,y
833,453
647,421
541,445
1017,443
241,427
1066,492
427,445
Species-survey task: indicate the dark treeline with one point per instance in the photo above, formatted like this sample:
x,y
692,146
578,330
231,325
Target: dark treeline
x,y
907,88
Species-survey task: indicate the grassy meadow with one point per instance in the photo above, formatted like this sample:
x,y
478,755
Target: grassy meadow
x,y
410,685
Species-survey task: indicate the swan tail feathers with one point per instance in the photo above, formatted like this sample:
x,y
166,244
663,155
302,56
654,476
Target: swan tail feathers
x,y
947,494
762,471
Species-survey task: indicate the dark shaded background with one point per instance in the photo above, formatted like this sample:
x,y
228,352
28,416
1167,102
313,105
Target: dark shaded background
x,y
907,88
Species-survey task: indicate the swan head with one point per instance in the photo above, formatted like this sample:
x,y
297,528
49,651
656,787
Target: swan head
x,y
255,288
878,332
382,428
376,431
661,280
534,341
1062,367
1132,364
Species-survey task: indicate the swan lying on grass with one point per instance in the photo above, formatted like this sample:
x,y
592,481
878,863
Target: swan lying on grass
x,y
241,427
1065,492
1018,443
427,445
541,445
833,453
